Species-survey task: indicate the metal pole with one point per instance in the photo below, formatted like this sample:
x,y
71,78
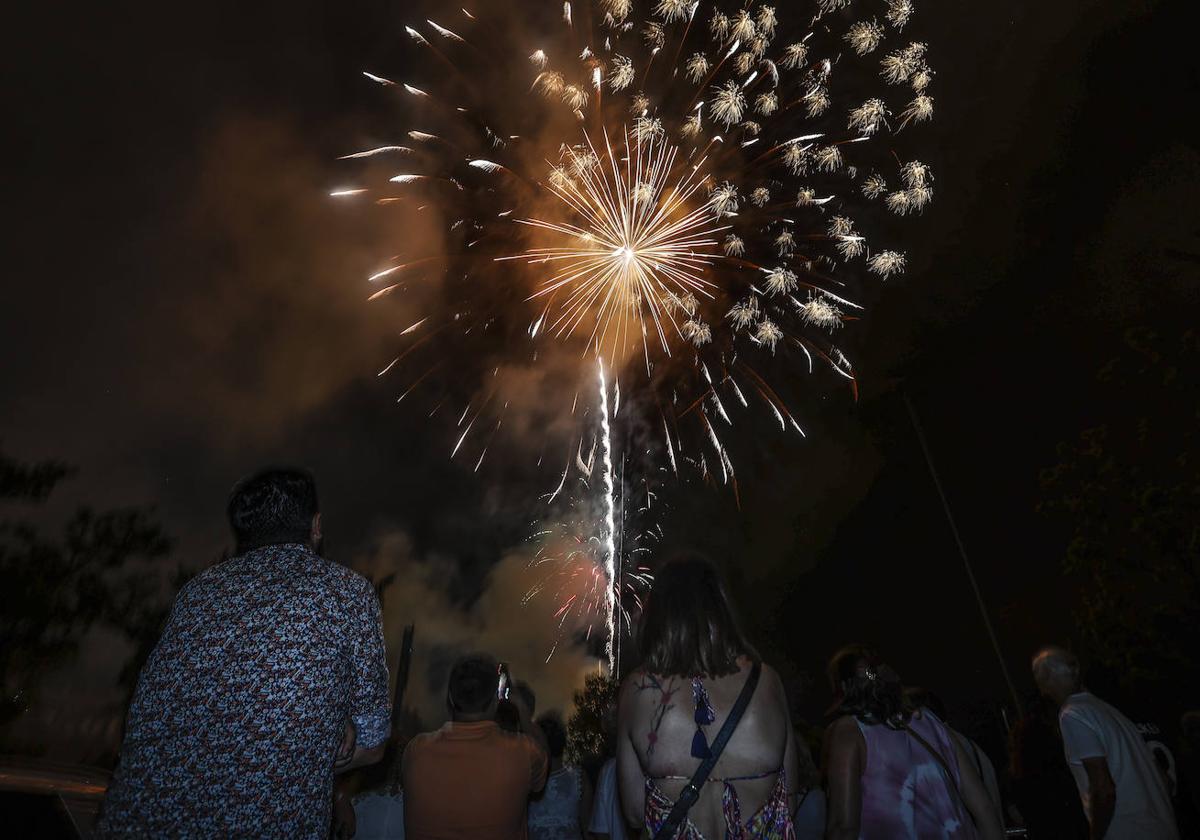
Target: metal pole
x,y
962,552
403,664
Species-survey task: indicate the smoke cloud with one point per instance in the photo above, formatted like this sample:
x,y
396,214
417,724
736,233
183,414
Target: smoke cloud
x,y
496,621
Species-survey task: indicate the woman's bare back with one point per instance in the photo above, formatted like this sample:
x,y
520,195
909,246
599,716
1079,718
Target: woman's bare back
x,y
657,725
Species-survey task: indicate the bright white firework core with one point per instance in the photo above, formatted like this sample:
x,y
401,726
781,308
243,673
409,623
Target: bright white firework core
x,y
640,240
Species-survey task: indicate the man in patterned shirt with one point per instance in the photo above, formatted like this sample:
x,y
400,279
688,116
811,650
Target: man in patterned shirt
x,y
270,671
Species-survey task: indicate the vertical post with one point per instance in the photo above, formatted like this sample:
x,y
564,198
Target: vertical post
x,y
962,552
403,665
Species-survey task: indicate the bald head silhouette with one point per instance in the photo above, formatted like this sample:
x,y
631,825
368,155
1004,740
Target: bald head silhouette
x,y
1056,672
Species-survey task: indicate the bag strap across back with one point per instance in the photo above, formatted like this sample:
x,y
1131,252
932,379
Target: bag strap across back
x,y
945,766
691,791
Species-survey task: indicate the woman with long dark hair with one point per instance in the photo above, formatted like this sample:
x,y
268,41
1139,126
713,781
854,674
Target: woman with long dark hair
x,y
695,663
893,772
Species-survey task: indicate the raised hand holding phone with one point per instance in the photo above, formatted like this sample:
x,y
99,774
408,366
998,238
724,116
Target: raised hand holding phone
x,y
504,684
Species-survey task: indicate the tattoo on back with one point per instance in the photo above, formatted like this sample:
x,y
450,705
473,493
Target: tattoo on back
x,y
664,703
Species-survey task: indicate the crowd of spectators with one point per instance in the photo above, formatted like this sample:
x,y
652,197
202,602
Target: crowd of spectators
x,y
270,681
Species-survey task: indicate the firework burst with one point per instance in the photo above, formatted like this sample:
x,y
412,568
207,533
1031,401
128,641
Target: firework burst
x,y
700,193
641,240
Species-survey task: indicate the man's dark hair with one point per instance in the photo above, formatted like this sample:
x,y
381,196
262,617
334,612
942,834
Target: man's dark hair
x,y
867,688
555,732
688,627
473,683
272,507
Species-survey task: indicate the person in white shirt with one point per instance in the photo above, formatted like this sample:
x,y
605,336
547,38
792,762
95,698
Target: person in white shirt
x,y
1119,784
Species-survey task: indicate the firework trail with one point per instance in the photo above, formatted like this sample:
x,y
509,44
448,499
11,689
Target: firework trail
x,y
592,557
703,194
609,527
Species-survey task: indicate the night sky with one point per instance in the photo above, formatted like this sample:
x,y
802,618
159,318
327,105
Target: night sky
x,y
183,304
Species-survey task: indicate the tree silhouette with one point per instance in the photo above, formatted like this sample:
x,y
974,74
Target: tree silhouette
x,y
1130,489
587,734
55,589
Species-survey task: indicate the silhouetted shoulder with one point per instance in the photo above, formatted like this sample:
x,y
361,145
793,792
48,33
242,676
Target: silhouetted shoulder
x,y
348,578
205,577
844,728
422,739
770,679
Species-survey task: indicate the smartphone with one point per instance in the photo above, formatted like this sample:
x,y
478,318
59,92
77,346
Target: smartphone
x,y
504,683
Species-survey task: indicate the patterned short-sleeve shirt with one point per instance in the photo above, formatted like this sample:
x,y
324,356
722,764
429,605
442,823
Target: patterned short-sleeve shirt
x,y
239,711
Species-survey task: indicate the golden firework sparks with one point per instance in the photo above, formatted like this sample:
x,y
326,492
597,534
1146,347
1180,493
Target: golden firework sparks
x,y
678,237
641,233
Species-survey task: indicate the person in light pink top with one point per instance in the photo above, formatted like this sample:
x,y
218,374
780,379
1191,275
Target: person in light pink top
x,y
893,772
